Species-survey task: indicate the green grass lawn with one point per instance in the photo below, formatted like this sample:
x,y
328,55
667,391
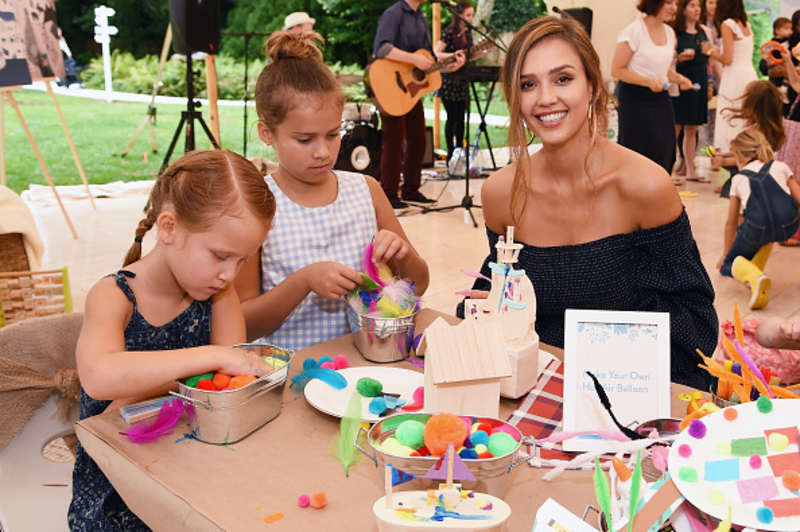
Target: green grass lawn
x,y
101,131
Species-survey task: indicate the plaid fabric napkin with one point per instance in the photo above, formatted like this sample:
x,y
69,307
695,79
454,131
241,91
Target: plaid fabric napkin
x,y
540,413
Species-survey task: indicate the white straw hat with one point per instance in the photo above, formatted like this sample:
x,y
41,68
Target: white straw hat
x,y
297,18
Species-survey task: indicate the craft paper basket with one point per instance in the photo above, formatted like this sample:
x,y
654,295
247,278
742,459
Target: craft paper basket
x,y
381,339
229,416
491,475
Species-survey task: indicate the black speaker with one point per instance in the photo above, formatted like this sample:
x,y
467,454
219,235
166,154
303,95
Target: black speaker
x,y
582,15
427,161
360,150
195,25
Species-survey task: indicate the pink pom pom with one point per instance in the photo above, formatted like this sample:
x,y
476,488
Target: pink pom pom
x,y
303,501
328,365
341,362
508,430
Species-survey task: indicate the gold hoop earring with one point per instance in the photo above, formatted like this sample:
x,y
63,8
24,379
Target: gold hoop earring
x,y
591,111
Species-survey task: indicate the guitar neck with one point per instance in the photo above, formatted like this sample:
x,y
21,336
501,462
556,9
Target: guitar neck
x,y
438,65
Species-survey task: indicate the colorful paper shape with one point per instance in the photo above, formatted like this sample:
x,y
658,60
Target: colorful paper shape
x,y
400,477
749,446
757,489
722,470
784,507
460,470
784,462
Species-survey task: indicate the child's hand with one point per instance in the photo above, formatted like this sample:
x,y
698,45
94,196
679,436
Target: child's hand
x,y
388,245
331,280
720,262
790,329
241,362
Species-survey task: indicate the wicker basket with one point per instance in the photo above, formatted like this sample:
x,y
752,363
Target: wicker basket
x,y
13,257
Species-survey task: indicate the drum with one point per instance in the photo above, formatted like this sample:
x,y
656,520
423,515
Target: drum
x,y
360,150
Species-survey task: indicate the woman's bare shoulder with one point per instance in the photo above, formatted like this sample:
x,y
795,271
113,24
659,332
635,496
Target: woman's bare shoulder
x,y
644,187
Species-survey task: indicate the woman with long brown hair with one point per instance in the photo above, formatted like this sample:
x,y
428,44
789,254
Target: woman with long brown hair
x,y
602,227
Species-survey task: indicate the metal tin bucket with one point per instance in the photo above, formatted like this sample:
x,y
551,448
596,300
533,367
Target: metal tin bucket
x,y
228,416
381,339
491,475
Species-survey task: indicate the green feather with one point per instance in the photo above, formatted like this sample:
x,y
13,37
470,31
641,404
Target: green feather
x,y
343,448
636,485
602,491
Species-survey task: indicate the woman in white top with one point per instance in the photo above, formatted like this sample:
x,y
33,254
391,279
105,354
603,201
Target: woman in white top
x,y
643,65
737,68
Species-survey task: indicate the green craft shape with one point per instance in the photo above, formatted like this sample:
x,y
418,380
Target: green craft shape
x,y
749,446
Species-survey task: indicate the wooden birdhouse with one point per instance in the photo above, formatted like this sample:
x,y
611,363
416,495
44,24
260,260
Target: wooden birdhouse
x,y
463,367
511,303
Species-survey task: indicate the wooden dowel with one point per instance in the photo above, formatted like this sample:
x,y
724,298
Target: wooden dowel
x,y
211,92
3,138
36,152
71,144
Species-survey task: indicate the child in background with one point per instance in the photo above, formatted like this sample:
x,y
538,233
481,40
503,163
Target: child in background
x,y
763,209
761,109
292,292
172,313
781,31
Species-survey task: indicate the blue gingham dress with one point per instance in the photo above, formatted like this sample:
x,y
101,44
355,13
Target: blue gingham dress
x,y
338,232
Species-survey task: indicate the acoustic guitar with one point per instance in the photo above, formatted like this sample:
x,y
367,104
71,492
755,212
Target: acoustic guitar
x,y
396,87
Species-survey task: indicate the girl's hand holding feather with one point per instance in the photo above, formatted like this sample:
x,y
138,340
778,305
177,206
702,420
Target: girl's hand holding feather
x,y
388,245
331,280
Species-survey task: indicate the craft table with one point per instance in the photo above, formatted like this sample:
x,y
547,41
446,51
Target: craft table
x,y
189,485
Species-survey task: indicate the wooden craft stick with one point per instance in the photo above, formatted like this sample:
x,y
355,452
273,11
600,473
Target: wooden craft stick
x,y
450,462
651,512
387,484
71,144
36,152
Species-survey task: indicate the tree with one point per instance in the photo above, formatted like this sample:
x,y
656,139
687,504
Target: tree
x,y
511,15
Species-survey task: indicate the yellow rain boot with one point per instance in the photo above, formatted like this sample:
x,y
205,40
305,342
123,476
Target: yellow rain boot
x,y
751,275
760,259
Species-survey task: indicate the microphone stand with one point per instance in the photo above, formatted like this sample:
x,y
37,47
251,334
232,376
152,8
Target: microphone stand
x,y
467,202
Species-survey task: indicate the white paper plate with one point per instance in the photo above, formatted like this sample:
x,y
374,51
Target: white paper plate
x,y
334,402
715,497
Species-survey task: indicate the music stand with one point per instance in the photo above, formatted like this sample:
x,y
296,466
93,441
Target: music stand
x,y
188,117
466,202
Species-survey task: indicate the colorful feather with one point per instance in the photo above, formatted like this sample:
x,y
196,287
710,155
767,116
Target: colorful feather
x,y
343,447
331,377
636,485
369,267
603,492
760,382
737,323
168,416
475,274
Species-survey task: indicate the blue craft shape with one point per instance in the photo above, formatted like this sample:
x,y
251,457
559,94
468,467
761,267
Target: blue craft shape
x,y
722,470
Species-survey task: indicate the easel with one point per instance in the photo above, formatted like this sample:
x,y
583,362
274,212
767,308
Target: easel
x,y
150,116
8,92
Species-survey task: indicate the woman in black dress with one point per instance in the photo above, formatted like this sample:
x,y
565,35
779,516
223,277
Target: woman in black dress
x,y
455,92
691,107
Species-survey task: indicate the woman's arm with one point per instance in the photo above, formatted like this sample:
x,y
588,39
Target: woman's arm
x,y
107,371
791,72
619,69
726,57
392,245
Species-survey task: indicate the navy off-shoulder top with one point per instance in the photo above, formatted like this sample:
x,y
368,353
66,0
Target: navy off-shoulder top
x,y
656,270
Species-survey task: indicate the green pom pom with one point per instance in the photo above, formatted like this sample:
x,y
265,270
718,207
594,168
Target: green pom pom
x,y
411,434
369,387
502,443
191,382
764,404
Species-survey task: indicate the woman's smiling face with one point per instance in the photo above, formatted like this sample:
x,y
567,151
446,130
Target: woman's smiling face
x,y
555,92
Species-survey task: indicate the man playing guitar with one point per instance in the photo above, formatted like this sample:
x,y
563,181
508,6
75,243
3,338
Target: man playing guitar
x,y
402,31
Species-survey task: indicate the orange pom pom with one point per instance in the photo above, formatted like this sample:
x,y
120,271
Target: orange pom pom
x,y
240,381
319,500
730,414
791,480
443,430
222,381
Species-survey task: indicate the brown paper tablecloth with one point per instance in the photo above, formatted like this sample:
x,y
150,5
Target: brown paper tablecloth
x,y
190,485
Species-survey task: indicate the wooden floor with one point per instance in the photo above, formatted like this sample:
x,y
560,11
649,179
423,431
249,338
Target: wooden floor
x,y
443,238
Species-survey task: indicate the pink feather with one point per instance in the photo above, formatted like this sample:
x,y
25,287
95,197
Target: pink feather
x,y
753,367
168,416
369,267
475,274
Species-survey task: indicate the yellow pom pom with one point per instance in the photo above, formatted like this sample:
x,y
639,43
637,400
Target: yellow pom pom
x,y
481,448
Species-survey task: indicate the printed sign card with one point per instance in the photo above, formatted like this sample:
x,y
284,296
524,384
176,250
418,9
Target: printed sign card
x,y
552,517
629,354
